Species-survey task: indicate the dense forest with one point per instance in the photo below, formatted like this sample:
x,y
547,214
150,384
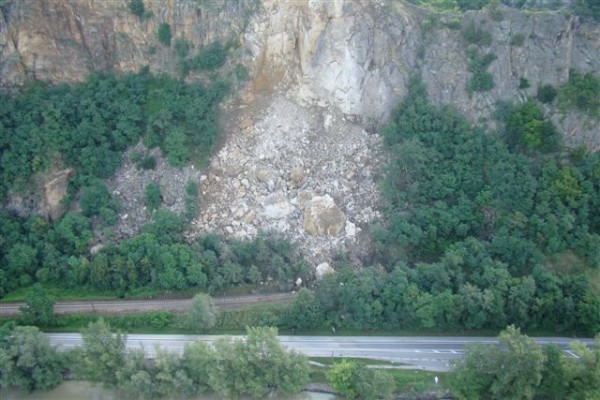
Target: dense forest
x,y
482,230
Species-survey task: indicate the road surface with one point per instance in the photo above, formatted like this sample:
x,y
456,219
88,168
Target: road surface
x,y
431,353
133,306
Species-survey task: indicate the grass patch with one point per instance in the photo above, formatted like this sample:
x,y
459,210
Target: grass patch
x,y
360,361
417,381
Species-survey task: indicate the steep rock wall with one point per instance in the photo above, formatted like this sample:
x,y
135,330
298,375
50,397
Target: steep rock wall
x,y
352,55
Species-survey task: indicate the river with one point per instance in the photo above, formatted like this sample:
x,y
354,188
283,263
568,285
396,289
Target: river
x,y
81,390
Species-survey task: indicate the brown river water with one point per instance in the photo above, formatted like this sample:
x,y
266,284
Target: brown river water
x,y
81,390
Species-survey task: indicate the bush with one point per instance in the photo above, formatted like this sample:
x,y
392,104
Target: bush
x,y
153,197
182,47
209,58
523,83
472,34
517,39
581,93
164,34
94,198
137,8
546,93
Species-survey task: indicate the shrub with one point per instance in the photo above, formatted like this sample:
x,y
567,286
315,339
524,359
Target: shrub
x,y
94,198
581,93
136,7
517,40
164,34
472,34
182,47
523,83
153,197
546,93
209,58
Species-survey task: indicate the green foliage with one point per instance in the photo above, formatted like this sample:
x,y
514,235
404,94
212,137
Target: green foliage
x,y
523,83
526,129
164,34
305,312
209,58
28,360
473,221
182,47
202,315
153,197
39,307
546,93
190,200
517,39
256,366
581,93
96,197
481,80
472,4
355,381
91,124
136,7
588,9
473,34
520,369
102,354
512,371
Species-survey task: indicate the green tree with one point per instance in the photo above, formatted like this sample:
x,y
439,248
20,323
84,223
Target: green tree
x,y
102,354
39,307
153,197
305,312
137,8
512,371
341,377
164,34
198,360
256,366
28,360
202,314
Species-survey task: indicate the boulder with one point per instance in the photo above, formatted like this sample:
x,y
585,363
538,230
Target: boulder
x,y
322,217
323,270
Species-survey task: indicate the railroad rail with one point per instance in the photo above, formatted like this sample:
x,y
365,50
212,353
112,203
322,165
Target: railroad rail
x,y
134,306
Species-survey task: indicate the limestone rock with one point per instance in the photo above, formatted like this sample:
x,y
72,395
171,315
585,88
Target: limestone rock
x,y
323,270
323,217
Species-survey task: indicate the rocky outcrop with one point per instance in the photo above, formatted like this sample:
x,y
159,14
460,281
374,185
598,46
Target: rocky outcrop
x,y
55,189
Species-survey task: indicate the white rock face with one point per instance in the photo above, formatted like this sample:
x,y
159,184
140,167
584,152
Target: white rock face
x,y
323,270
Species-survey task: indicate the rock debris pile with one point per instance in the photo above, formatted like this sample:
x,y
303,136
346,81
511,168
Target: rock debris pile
x,y
307,174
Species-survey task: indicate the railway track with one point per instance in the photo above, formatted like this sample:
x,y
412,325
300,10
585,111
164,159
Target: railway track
x,y
108,307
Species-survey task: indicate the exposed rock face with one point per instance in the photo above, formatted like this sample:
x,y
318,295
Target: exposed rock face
x,y
323,218
55,189
43,196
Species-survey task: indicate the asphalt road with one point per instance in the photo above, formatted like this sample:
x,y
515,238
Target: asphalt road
x,y
431,353
133,306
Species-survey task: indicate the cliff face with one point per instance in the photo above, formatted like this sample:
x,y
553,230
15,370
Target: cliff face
x,y
330,69
352,55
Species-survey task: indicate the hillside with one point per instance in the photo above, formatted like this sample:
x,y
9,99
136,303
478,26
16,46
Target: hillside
x,y
259,121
